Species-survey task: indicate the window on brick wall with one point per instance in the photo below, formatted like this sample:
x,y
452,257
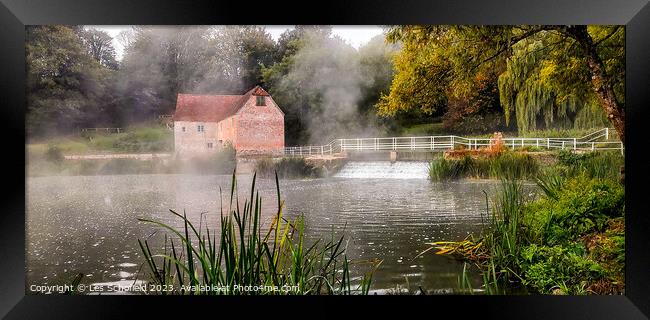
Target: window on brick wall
x,y
200,128
183,129
260,101
210,145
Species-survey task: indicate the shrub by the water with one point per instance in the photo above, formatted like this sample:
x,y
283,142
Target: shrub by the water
x,y
290,168
558,269
602,165
569,241
505,165
443,169
142,140
54,155
582,206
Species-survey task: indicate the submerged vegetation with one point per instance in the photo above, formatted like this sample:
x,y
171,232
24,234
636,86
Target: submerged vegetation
x,y
241,258
569,240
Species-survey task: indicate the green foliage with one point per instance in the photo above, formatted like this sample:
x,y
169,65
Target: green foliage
x,y
550,181
609,249
241,253
504,236
443,169
511,165
327,88
582,206
530,89
66,87
602,165
569,241
558,133
291,168
425,129
144,139
54,155
543,73
550,268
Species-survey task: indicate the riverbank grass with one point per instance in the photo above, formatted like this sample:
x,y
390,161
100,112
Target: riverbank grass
x,y
512,165
287,168
568,240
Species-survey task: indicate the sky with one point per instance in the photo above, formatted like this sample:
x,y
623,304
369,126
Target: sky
x,y
356,36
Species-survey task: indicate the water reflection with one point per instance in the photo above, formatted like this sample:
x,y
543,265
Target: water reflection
x,y
88,224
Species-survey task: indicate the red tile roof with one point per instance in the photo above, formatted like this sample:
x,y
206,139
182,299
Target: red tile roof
x,y
211,108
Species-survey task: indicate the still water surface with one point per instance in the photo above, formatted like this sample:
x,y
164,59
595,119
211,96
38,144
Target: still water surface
x,y
88,223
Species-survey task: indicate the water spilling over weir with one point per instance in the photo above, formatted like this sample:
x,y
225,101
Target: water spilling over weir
x,y
384,170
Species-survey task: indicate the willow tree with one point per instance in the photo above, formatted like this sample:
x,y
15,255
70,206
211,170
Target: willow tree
x,y
545,72
547,81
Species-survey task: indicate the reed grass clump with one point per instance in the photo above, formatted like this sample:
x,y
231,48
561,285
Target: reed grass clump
x,y
241,255
511,165
287,168
601,165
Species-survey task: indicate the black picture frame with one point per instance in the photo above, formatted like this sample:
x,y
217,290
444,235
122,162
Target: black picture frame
x,y
16,14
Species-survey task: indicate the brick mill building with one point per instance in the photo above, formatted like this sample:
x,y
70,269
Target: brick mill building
x,y
252,123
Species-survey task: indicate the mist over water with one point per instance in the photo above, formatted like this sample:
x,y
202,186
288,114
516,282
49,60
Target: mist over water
x,y
89,224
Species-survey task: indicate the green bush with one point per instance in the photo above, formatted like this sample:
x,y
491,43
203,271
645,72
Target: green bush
x,y
291,168
443,169
54,154
548,268
509,165
143,140
512,165
558,133
583,205
550,181
602,165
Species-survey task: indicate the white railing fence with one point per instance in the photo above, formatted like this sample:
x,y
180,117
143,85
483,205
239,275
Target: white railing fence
x,y
597,140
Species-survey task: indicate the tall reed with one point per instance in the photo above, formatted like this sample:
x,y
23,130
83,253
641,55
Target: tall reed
x,y
504,236
242,256
509,165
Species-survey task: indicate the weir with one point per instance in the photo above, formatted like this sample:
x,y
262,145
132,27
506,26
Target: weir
x,y
384,170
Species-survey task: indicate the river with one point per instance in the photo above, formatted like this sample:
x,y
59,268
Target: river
x,y
89,224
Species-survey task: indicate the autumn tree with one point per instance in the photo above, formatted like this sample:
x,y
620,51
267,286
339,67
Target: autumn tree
x,y
553,70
